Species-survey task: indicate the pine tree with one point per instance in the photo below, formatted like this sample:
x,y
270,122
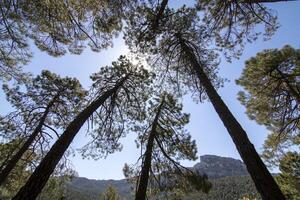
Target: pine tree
x,y
46,104
54,188
19,173
231,22
164,142
110,193
272,97
181,49
113,86
289,178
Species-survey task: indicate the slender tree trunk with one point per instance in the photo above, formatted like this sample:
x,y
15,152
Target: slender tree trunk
x,y
40,176
143,179
13,161
263,180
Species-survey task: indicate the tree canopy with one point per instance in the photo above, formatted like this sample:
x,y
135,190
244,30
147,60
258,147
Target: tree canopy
x,y
271,96
164,142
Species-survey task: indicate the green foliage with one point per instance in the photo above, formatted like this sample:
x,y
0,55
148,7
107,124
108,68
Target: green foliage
x,y
272,96
62,97
110,193
233,22
172,144
54,189
123,108
289,178
19,174
228,188
165,54
55,27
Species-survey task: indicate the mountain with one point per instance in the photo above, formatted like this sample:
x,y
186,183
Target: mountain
x,y
228,175
218,167
90,189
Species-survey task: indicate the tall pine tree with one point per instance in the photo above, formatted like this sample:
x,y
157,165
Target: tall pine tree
x,y
117,83
164,142
182,48
47,103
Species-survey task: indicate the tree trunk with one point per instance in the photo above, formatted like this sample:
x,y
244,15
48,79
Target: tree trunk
x,y
13,161
263,180
143,179
40,176
159,14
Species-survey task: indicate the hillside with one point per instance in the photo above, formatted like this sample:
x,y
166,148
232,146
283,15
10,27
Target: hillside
x,y
229,177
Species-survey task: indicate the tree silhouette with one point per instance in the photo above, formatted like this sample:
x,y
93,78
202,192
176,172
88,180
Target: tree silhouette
x,y
164,142
182,49
112,84
49,102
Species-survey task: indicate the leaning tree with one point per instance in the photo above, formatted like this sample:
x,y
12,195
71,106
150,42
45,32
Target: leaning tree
x,y
164,142
118,93
181,52
45,104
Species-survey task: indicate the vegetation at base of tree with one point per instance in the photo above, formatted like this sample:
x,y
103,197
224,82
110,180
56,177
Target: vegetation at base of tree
x,y
228,188
111,193
289,177
55,188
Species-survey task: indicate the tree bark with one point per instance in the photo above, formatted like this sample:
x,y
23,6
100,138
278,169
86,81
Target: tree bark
x,y
143,179
263,180
14,160
159,14
40,176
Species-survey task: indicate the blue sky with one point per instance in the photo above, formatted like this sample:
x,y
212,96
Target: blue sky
x,y
205,126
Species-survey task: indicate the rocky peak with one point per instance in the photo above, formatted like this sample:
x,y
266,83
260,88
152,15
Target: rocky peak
x,y
217,166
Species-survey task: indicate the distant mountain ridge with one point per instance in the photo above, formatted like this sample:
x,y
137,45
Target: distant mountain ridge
x,y
214,166
218,167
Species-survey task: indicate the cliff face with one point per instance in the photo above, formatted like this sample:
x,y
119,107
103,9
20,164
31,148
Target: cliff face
x,y
218,167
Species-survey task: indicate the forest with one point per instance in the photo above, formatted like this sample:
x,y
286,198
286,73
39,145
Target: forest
x,y
174,51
